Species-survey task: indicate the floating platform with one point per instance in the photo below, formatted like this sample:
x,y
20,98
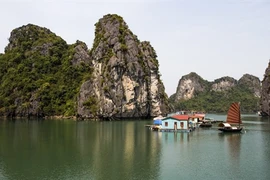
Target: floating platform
x,y
155,128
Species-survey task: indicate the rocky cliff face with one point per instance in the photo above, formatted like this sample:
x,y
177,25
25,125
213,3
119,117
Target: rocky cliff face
x,y
125,80
81,55
265,93
223,84
189,85
253,83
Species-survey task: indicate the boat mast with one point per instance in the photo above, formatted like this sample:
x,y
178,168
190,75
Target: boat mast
x,y
239,114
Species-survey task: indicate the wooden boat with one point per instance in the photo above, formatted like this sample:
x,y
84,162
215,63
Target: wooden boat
x,y
262,113
206,124
157,123
233,118
156,127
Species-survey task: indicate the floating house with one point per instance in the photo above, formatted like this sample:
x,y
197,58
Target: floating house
x,y
184,121
176,123
199,115
195,120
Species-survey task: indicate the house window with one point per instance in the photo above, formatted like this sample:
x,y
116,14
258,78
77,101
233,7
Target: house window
x,y
166,124
182,124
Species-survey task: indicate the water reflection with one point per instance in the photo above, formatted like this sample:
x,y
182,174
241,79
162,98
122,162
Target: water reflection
x,y
78,150
232,142
127,150
175,137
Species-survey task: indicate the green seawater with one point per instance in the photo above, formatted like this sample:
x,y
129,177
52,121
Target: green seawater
x,y
66,149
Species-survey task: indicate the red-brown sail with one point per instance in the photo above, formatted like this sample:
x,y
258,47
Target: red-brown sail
x,y
234,114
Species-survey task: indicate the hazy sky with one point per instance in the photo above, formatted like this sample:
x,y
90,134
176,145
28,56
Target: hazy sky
x,y
213,38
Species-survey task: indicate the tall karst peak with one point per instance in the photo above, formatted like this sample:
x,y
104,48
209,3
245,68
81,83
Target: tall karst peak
x,y
112,35
126,81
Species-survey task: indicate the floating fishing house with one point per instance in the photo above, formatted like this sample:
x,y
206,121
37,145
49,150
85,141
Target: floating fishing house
x,y
177,123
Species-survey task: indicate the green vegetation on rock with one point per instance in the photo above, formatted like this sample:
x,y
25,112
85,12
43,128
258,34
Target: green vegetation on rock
x,y
36,74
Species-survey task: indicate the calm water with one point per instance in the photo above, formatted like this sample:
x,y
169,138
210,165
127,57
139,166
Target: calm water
x,y
65,149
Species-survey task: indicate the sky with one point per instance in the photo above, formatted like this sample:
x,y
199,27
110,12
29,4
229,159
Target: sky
x,y
214,38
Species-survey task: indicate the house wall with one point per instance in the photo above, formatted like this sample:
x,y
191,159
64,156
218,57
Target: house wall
x,y
194,120
171,124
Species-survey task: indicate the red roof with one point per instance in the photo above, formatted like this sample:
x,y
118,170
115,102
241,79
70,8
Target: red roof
x,y
180,117
198,114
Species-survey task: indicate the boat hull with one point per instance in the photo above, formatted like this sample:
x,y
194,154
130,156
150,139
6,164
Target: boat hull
x,y
205,125
230,130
